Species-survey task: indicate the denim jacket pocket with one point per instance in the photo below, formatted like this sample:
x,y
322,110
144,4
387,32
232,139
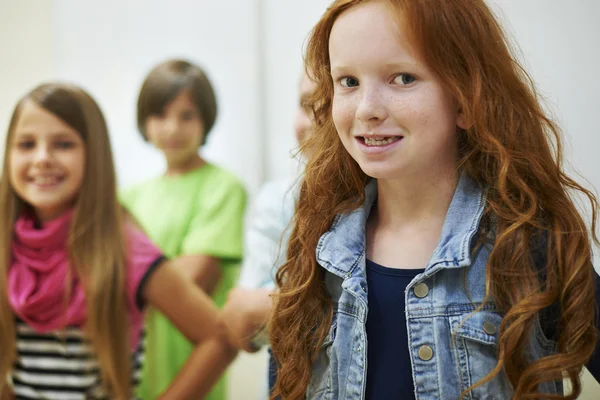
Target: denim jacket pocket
x,y
474,338
320,384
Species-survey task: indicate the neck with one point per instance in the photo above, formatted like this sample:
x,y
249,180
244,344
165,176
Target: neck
x,y
415,199
43,217
175,168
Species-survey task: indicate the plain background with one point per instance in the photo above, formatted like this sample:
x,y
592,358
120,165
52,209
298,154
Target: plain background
x,y
252,51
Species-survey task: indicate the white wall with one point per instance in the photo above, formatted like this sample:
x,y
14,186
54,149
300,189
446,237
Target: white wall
x,y
559,41
287,26
27,52
253,55
109,46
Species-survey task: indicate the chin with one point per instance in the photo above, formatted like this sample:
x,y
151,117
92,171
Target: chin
x,y
179,157
58,202
381,172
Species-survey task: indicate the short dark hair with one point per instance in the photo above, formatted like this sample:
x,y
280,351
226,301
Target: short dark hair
x,y
165,82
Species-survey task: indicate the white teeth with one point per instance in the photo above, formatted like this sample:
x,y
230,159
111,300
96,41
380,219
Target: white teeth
x,y
45,180
381,142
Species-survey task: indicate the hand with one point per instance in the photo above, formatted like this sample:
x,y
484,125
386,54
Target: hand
x,y
244,314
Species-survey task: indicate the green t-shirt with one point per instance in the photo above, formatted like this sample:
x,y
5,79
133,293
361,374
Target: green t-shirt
x,y
200,212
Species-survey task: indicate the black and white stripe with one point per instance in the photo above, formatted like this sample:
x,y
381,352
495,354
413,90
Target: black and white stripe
x,y
60,366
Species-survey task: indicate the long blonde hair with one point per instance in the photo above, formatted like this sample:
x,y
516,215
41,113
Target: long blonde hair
x,y
513,148
95,242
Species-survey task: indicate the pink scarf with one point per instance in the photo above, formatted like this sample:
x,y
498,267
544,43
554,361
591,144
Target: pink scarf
x,y
38,276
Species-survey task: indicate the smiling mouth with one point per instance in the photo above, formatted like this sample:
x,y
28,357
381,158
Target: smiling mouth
x,y
45,180
174,145
380,141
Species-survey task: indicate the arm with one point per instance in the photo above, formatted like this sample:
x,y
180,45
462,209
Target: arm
x,y
245,314
194,314
203,270
246,311
213,244
201,371
215,231
213,239
266,235
188,308
248,307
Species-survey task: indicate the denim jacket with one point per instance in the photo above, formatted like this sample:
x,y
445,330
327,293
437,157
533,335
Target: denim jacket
x,y
451,346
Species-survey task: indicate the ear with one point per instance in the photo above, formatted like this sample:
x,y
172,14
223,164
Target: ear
x,y
461,120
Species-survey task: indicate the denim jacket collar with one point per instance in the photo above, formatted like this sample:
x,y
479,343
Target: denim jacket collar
x,y
341,249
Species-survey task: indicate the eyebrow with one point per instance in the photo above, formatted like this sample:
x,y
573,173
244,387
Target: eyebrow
x,y
53,135
338,69
394,64
403,64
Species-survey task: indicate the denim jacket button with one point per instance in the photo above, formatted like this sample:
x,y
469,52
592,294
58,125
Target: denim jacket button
x,y
421,290
489,328
425,353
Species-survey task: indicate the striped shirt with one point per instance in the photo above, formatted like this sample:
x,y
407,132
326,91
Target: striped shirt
x,y
60,365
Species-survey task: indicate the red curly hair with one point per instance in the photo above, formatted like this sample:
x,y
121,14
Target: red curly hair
x,y
513,148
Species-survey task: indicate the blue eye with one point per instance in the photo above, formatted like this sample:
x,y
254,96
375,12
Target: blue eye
x,y
404,79
349,82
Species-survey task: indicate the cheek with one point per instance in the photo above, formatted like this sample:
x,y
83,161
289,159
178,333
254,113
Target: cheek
x,y
17,167
442,110
343,111
76,165
199,127
302,121
17,174
428,114
194,130
152,129
199,130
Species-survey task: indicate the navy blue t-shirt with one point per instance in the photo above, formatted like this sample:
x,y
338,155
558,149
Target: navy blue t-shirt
x,y
389,374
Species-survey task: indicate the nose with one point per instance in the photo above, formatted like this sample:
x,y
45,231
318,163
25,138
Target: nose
x,y
171,126
372,105
42,155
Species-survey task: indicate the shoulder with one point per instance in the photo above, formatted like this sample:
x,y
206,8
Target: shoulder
x,y
277,196
221,177
141,251
280,189
217,185
129,193
143,258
